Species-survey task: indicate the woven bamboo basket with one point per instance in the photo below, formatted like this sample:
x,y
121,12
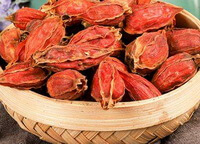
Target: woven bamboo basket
x,y
74,122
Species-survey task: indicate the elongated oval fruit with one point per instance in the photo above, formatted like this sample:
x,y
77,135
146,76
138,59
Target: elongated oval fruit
x,y
67,85
10,44
147,52
24,16
106,13
174,72
184,40
72,7
100,36
150,17
69,10
108,87
138,87
78,57
23,76
49,32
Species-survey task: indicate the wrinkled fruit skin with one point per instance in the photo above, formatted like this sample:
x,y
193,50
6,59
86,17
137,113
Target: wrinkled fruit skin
x,y
24,16
123,2
184,40
100,36
9,44
174,72
116,64
49,32
138,87
150,17
143,1
108,87
78,57
23,76
106,13
72,7
67,85
147,52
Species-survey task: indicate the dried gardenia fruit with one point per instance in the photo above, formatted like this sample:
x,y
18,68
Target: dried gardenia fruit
x,y
78,57
9,41
106,13
174,72
143,1
124,2
72,7
147,52
68,9
67,85
150,17
23,76
49,32
116,64
108,87
138,87
24,16
100,36
184,40
32,25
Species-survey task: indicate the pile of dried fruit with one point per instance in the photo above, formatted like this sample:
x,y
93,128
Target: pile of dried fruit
x,y
106,50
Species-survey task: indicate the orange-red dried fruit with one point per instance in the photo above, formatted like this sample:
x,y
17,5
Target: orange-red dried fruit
x,y
124,2
184,40
100,36
9,41
147,52
72,7
32,25
49,32
174,72
68,85
116,64
138,87
78,57
143,1
150,17
106,13
23,76
24,16
108,87
20,51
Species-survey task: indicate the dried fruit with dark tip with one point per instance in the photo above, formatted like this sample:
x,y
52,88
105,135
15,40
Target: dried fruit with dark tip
x,y
174,72
138,87
108,87
150,17
147,52
24,16
67,85
184,40
23,76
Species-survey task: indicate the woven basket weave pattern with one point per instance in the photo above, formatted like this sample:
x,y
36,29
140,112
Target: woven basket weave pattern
x,y
139,136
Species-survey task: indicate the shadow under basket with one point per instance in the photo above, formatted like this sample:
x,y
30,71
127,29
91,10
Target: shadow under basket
x,y
75,122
